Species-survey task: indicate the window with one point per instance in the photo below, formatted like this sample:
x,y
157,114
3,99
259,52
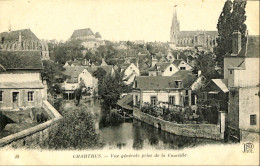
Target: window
x,y
170,68
230,71
1,96
136,100
252,119
153,100
183,68
172,100
30,96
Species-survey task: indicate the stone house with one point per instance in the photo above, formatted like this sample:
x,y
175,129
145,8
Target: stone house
x,y
182,65
241,70
215,94
174,90
130,72
78,75
163,69
21,84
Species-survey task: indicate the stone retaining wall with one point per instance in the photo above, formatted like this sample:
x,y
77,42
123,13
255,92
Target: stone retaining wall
x,y
190,130
34,134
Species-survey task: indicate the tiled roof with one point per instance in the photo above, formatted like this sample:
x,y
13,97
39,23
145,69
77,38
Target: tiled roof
x,y
193,33
164,82
126,102
27,34
21,59
160,66
82,32
177,62
21,85
74,71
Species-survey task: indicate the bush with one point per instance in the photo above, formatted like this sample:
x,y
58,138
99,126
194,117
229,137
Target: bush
x,y
75,131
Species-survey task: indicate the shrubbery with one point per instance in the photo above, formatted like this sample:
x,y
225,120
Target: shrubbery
x,y
74,131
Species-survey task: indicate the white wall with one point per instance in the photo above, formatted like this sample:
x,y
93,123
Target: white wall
x,y
249,76
248,105
167,71
184,64
132,68
161,96
21,77
88,79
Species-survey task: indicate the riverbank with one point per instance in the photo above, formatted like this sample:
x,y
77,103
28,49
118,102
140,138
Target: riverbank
x,y
190,130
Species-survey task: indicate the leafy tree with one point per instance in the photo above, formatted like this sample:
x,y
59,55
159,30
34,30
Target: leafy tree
x,y
74,131
110,89
206,63
100,74
53,75
231,18
70,50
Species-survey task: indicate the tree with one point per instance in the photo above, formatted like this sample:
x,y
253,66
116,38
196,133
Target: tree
x,y
110,89
205,62
228,22
53,75
74,131
100,74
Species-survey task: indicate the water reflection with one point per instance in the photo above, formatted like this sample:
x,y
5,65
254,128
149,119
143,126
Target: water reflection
x,y
117,134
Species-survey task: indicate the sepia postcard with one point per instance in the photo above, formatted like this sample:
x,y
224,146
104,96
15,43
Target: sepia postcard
x,y
127,82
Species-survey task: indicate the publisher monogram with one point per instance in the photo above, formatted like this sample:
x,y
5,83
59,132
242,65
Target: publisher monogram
x,y
248,148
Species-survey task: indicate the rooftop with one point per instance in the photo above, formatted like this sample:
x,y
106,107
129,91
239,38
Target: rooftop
x,y
193,33
82,32
165,82
27,34
21,59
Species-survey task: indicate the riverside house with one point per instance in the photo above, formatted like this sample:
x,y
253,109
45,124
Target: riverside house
x,y
155,90
21,85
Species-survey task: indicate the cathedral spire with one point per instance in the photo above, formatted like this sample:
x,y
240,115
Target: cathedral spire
x,y
175,26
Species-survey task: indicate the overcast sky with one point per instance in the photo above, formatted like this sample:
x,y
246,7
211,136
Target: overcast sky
x,y
148,20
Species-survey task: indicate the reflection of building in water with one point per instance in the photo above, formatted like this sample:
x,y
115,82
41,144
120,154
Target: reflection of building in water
x,y
204,38
23,40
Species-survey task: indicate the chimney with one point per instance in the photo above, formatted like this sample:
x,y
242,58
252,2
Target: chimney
x,y
236,43
154,61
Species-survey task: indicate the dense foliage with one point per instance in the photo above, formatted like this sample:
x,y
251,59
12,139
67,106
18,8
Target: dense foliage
x,y
52,73
232,18
206,63
74,131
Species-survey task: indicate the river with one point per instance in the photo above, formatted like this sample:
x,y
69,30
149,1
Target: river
x,y
135,134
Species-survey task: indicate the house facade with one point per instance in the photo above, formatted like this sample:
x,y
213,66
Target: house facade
x,y
130,73
240,70
21,85
173,90
163,69
78,75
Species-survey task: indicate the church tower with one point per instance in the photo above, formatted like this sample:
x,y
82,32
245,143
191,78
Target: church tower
x,y
175,28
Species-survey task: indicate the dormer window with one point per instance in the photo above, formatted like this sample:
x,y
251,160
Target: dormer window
x,y
170,68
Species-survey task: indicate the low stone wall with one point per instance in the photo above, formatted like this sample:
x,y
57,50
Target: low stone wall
x,y
34,134
190,130
249,136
